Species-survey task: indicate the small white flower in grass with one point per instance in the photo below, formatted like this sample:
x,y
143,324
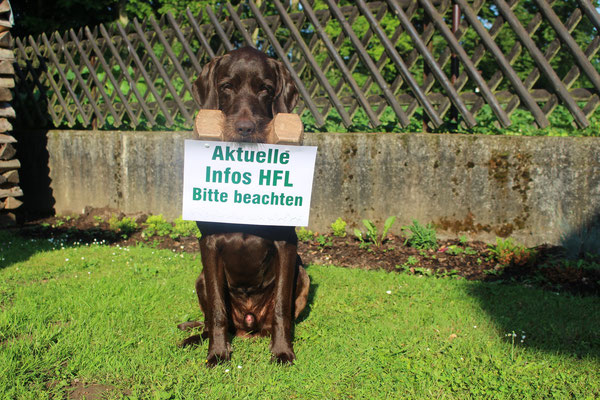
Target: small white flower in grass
x,y
226,370
475,326
239,367
389,292
66,259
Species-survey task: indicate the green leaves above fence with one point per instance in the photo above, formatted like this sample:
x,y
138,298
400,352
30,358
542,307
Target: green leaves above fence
x,y
378,65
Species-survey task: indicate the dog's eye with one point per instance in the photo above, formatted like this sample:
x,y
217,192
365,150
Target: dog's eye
x,y
225,86
267,88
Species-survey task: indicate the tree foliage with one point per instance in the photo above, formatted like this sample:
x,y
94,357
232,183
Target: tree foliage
x,y
33,17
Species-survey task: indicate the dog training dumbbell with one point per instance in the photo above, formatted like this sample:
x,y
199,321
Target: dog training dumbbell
x,y
283,129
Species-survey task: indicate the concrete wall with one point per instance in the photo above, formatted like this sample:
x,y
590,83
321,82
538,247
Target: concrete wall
x,y
537,190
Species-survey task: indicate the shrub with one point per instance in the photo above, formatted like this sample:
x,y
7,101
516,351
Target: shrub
x,y
421,237
183,228
507,252
125,227
156,225
304,235
339,227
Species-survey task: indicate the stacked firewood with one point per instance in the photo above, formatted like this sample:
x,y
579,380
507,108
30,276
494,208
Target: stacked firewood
x,y
9,165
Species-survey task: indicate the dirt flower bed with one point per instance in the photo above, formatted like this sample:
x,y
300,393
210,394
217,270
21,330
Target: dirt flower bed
x,y
543,266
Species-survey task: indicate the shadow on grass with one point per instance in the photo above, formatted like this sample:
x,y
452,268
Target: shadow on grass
x,y
15,249
312,292
541,319
20,244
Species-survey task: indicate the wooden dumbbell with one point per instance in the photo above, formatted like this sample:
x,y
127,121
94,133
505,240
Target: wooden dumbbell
x,y
283,129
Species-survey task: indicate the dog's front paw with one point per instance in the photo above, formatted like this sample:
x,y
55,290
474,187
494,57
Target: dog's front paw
x,y
283,356
217,356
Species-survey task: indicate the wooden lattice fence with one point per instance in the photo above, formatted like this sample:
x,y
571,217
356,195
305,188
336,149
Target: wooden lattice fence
x,y
383,62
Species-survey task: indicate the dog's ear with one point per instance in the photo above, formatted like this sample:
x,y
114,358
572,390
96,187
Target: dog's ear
x,y
286,94
204,89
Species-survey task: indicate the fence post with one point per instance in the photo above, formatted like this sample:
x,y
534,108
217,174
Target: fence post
x,y
454,64
426,70
9,175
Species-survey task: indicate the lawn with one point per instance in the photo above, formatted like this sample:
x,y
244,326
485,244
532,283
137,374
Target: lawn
x,y
103,319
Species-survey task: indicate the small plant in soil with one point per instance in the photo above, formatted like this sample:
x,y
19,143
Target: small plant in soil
x,y
506,252
324,241
389,248
411,262
454,250
339,227
304,235
156,225
421,237
422,271
371,235
183,228
125,226
363,244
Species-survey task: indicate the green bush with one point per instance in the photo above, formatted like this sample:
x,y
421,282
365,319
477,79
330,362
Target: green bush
x,y
183,228
339,227
156,225
421,237
507,251
125,227
304,235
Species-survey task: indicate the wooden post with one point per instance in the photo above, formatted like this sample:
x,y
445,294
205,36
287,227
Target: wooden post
x,y
454,64
9,176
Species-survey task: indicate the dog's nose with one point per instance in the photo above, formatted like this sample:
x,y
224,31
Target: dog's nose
x,y
245,127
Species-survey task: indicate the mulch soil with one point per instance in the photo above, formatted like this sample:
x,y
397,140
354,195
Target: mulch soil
x,y
543,266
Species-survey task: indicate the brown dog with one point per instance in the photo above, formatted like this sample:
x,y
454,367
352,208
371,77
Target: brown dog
x,y
252,282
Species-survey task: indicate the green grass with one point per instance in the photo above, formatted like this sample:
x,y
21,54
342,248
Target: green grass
x,y
108,315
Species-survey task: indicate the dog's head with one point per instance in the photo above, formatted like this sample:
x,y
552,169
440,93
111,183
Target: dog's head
x,y
249,88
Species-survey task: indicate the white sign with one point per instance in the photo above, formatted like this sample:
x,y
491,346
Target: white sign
x,y
247,183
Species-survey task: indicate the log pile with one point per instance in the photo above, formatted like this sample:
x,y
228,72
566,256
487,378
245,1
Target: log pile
x,y
9,165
